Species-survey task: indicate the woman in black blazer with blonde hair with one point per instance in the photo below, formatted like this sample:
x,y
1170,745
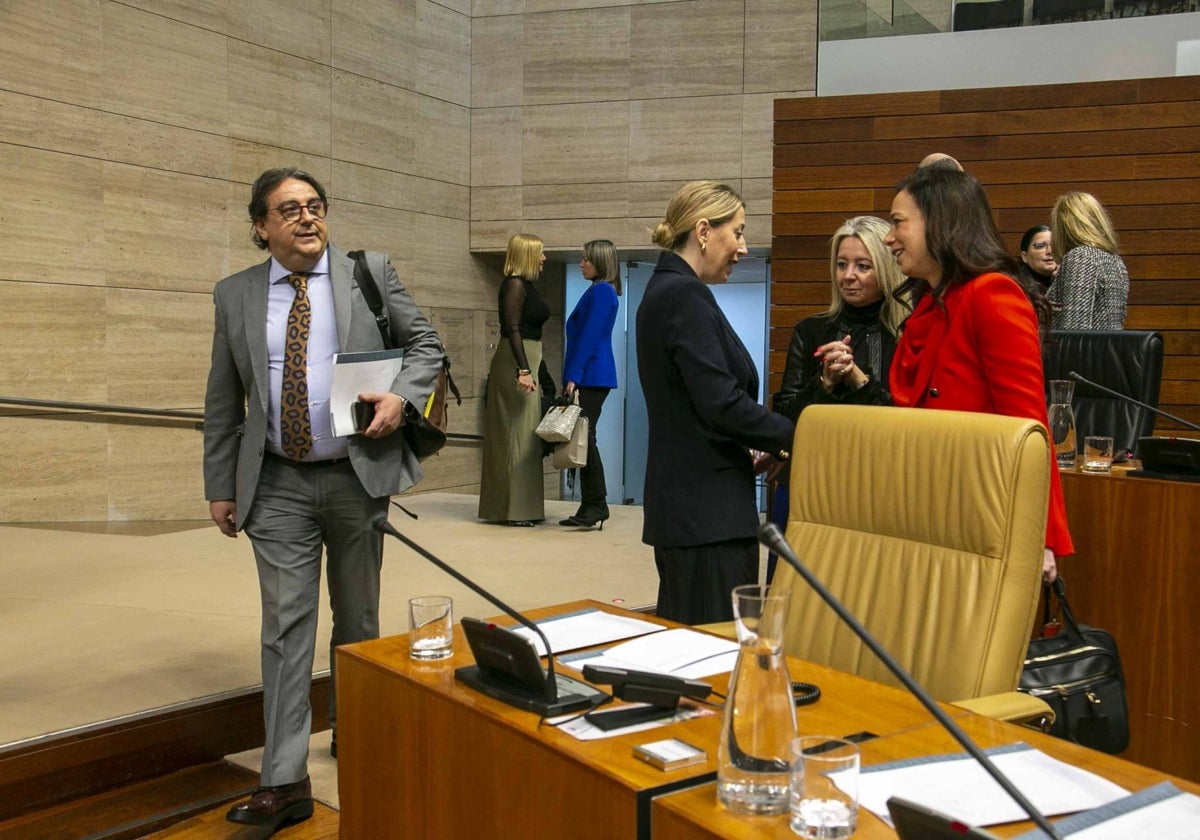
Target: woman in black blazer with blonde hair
x,y
708,432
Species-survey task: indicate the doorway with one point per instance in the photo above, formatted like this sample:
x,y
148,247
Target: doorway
x,y
622,431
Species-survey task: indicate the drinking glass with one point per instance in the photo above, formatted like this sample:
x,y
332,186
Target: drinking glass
x,y
824,788
430,627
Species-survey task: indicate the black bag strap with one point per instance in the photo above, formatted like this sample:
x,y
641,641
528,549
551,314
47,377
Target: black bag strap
x,y
370,293
450,379
1059,588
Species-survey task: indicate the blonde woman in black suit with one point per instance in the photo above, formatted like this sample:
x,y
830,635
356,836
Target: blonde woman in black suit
x,y
708,431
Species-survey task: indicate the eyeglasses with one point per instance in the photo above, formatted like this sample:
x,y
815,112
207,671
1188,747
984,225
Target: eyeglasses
x,y
292,210
1037,246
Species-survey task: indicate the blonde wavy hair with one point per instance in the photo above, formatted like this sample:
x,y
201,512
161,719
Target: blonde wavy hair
x,y
870,231
692,202
1079,219
524,254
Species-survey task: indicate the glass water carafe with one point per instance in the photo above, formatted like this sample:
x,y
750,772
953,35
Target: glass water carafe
x,y
1061,417
753,762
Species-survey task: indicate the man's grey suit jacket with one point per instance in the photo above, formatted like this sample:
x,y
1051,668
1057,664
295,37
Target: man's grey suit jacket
x,y
236,400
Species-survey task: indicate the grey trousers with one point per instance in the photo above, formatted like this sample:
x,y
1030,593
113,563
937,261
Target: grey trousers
x,y
298,509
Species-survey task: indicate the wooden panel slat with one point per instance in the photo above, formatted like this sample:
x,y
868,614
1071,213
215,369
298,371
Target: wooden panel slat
x,y
1143,141
1134,143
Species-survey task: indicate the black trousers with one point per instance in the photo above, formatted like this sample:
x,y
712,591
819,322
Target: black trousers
x,y
593,490
695,584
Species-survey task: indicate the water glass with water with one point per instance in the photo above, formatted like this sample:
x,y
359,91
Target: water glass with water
x,y
1097,454
430,627
823,798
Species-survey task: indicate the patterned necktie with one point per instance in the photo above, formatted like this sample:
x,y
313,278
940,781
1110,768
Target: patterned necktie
x,y
295,427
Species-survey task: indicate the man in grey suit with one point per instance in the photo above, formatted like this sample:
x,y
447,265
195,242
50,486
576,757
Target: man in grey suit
x,y
273,468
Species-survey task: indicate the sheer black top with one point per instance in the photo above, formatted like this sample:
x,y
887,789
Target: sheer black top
x,y
522,313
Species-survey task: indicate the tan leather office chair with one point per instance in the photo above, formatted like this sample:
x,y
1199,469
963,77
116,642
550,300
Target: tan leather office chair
x,y
929,526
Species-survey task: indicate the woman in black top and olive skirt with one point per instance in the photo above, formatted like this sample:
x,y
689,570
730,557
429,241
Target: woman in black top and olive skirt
x,y
511,485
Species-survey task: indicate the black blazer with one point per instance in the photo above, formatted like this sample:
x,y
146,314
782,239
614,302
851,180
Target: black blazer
x,y
702,400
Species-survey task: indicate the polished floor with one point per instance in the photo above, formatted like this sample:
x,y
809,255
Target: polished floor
x,y
100,622
103,621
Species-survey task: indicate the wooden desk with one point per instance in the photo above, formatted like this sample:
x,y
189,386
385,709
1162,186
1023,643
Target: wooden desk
x,y
1136,573
694,814
421,755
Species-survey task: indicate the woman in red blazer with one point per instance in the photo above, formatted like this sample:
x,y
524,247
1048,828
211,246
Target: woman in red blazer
x,y
972,341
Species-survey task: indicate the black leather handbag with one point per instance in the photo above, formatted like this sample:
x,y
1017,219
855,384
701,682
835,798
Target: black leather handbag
x,y
1078,673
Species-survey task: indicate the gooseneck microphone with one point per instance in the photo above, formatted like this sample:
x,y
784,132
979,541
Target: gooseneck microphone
x,y
770,536
380,523
1073,375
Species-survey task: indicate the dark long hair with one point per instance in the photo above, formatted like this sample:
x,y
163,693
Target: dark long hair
x,y
961,234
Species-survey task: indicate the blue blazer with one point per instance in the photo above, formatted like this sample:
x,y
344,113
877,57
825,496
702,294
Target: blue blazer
x,y
589,358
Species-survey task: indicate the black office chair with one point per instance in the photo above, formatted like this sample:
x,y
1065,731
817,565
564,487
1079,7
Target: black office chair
x,y
1127,361
1063,11
987,14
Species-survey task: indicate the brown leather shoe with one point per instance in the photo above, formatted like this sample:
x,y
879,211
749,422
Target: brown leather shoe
x,y
275,806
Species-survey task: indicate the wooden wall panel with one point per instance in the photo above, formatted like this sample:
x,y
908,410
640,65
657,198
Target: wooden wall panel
x,y
1134,144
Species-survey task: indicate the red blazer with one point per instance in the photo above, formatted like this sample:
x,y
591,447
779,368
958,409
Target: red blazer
x,y
979,351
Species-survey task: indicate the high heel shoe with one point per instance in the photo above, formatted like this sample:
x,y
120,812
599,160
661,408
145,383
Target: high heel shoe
x,y
519,523
587,520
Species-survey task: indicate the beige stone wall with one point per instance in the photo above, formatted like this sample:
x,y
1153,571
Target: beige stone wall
x,y
586,115
130,132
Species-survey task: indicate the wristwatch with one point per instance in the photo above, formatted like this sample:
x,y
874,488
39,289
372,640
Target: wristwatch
x,y
522,372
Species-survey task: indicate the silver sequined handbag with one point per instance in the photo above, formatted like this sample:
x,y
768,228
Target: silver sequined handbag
x,y
559,423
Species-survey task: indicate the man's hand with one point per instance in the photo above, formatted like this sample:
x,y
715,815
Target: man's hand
x,y
389,413
224,513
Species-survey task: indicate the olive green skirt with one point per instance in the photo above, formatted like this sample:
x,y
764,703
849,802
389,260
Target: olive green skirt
x,y
511,483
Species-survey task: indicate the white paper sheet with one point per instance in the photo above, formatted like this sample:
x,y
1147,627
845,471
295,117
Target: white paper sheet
x,y
957,785
1162,811
585,628
680,652
356,373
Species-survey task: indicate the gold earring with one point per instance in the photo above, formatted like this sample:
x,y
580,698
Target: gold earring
x,y
703,245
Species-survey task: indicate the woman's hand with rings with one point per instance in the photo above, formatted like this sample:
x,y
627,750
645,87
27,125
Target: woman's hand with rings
x,y
837,359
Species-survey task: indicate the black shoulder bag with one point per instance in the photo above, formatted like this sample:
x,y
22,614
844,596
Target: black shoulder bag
x,y
1078,673
424,431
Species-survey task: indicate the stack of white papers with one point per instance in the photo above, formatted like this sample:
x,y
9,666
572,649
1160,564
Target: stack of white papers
x,y
357,373
571,631
1163,812
680,653
957,785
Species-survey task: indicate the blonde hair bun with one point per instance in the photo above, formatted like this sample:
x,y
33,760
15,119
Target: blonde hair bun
x,y
718,203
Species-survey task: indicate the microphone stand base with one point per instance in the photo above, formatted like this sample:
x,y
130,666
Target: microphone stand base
x,y
578,696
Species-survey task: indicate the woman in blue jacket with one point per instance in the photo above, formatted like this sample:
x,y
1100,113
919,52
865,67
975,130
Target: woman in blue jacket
x,y
589,369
